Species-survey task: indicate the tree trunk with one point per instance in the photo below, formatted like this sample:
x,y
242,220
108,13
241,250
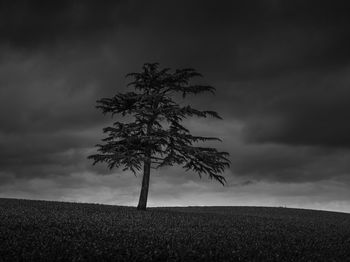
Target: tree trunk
x,y
145,184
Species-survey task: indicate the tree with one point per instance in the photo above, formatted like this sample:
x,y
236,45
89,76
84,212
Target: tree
x,y
155,137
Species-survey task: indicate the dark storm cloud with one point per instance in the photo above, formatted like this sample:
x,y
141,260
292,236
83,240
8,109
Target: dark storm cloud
x,y
246,39
280,67
308,110
288,164
33,24
41,154
43,93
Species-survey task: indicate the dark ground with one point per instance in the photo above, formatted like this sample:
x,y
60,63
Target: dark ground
x,y
58,231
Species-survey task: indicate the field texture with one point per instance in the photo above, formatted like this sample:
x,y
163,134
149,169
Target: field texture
x,y
56,231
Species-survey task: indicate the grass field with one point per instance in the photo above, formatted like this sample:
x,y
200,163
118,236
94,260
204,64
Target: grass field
x,y
58,231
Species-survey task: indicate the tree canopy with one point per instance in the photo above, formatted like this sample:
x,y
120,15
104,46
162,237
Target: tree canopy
x,y
155,135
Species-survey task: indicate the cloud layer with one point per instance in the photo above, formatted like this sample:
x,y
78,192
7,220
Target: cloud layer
x,y
281,70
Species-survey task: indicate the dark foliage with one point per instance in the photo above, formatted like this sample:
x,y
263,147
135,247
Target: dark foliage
x,y
156,135
56,231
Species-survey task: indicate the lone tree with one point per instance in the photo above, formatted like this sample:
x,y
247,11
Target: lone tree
x,y
155,136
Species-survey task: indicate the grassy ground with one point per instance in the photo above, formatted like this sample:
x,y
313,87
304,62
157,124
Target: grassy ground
x,y
57,231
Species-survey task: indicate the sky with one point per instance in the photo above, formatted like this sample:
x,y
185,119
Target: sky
x,y
281,70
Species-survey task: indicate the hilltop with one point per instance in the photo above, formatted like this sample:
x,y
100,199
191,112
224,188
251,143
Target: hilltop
x,y
33,230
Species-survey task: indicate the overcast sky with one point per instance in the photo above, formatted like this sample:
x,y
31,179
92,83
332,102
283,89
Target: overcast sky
x,y
281,70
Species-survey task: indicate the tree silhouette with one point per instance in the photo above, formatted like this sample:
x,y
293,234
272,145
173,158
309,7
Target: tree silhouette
x,y
155,137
